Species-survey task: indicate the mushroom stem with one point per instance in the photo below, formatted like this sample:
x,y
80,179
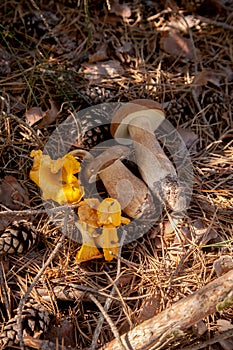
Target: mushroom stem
x,y
135,122
153,163
131,192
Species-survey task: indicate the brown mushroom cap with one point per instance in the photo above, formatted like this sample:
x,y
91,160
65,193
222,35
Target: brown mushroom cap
x,y
119,126
104,160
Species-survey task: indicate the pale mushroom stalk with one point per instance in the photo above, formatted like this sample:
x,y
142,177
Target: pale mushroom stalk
x,y
120,183
135,122
153,164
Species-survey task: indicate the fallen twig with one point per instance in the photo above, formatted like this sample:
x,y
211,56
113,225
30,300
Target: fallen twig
x,y
178,317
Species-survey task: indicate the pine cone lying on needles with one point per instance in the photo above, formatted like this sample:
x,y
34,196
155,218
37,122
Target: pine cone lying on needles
x,y
35,321
17,238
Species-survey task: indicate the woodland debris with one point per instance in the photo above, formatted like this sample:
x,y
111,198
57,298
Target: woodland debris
x,y
12,194
180,316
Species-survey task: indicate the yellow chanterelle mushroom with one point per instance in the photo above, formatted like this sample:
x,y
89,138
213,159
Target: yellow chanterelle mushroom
x,y
106,215
56,177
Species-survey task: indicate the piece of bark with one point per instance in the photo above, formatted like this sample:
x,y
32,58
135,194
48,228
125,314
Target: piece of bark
x,y
180,316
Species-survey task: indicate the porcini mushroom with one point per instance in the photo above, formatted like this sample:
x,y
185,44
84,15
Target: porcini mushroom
x,y
136,122
120,183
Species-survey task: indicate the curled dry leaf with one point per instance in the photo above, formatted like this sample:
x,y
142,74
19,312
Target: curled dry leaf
x,y
199,233
100,54
121,10
12,194
177,46
223,265
204,77
35,114
100,70
150,308
189,138
50,115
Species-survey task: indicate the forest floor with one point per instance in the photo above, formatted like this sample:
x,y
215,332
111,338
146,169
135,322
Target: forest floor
x,y
60,57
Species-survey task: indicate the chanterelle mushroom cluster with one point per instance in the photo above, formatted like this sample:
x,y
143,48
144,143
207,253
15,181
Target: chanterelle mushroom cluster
x,y
57,181
93,214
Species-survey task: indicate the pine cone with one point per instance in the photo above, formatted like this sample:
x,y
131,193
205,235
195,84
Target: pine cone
x,y
17,238
35,320
95,127
96,94
95,135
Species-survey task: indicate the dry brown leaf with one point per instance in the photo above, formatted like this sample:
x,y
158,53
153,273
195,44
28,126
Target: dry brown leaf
x,y
189,138
199,328
63,334
123,11
223,265
224,325
199,233
33,115
177,46
125,280
50,115
5,221
150,308
98,71
12,194
206,76
99,55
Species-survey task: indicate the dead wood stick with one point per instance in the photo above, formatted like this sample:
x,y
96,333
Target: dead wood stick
x,y
180,316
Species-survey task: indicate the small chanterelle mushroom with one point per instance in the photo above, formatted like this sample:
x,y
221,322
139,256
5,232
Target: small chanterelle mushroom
x,y
93,214
131,192
135,122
